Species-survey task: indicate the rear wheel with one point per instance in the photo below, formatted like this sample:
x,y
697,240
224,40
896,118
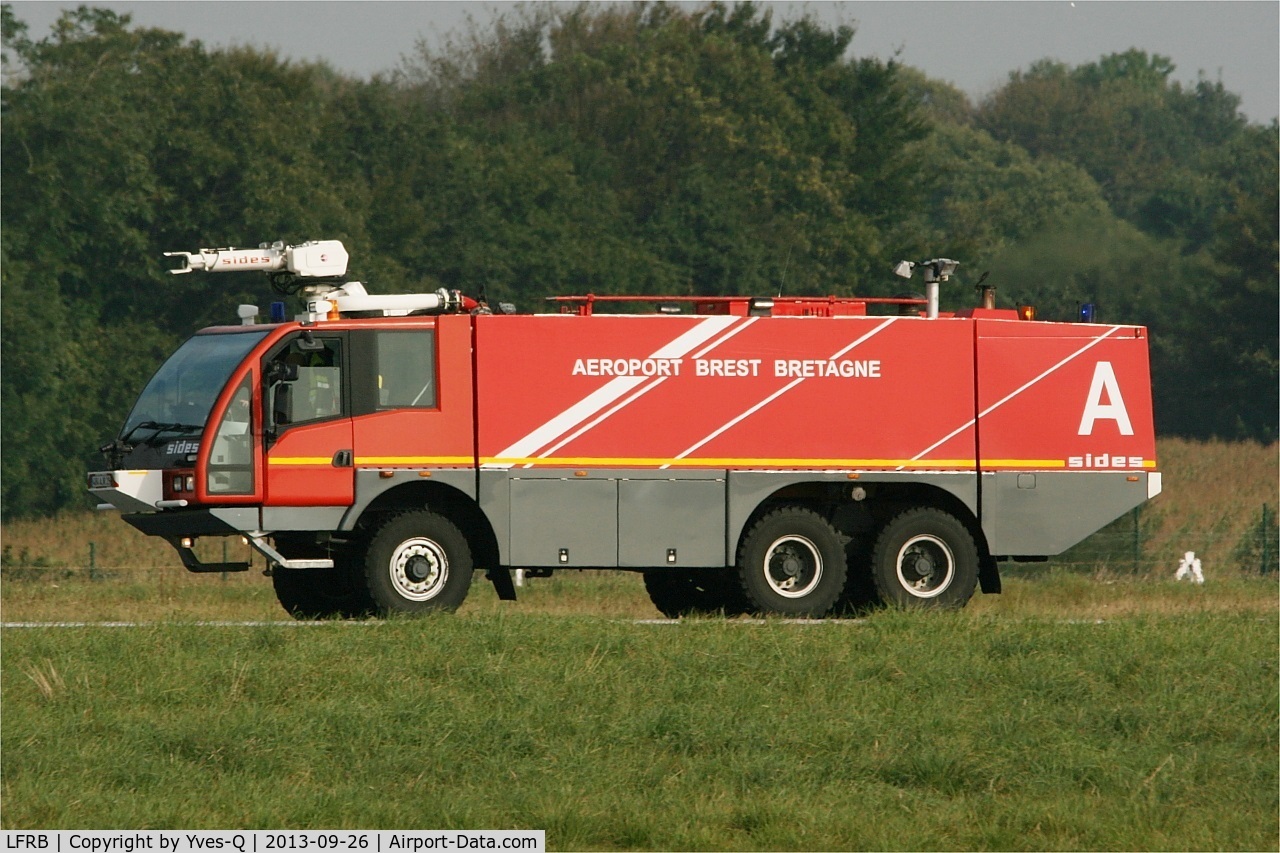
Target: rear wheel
x,y
860,596
792,562
925,557
687,592
417,562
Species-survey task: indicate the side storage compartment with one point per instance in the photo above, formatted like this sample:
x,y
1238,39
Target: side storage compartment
x,y
563,522
674,523
628,519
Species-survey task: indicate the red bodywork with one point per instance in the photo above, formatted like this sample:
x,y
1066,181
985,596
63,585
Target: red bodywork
x,y
868,393
736,392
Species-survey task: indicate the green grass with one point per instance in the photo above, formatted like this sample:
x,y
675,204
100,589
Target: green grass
x,y
963,730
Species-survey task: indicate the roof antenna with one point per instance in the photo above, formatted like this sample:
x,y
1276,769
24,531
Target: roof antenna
x,y
785,265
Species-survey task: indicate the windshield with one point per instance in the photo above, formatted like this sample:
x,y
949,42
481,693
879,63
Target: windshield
x,y
178,398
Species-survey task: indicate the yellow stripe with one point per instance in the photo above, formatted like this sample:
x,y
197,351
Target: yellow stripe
x,y
644,462
374,460
415,460
1024,463
656,462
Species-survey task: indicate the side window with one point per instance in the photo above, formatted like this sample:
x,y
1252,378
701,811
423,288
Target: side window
x,y
306,382
406,369
231,460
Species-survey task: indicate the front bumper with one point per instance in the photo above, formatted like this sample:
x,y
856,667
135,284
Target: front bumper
x,y
181,527
128,490
211,521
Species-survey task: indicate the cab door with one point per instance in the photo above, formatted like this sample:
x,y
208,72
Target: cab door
x,y
413,394
307,414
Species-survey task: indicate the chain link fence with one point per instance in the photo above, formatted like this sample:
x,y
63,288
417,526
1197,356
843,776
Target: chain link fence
x,y
1133,545
1137,545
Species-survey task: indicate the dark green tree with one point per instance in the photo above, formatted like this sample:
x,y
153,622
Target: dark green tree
x,y
674,151
119,144
1165,155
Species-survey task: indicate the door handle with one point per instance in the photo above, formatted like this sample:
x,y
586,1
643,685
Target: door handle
x,y
343,459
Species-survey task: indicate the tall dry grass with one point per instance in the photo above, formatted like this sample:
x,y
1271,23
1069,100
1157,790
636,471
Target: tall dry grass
x,y
1214,492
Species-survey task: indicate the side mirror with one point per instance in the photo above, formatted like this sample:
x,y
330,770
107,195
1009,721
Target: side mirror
x,y
308,343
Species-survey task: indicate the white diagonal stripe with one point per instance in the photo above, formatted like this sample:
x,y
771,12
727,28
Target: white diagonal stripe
x,y
989,409
612,390
741,327
776,394
591,424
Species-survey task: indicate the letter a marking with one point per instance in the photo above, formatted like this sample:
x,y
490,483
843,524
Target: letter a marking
x,y
1104,379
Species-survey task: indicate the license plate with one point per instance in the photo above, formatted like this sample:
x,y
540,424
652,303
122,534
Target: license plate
x,y
101,480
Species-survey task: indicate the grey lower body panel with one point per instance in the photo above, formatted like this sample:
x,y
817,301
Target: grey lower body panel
x,y
1046,512
608,518
233,521
302,517
652,518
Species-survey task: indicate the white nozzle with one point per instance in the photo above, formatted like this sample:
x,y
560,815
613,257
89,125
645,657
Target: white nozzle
x,y
316,259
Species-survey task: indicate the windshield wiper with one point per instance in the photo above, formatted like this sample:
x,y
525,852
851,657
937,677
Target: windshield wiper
x,y
115,451
161,429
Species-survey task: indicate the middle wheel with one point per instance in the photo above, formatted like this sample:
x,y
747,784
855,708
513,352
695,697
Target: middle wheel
x,y
688,592
792,562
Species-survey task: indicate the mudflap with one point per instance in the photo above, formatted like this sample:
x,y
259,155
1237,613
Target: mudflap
x,y
502,583
988,576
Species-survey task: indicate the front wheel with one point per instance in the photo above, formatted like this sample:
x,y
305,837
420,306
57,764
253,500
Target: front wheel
x,y
418,562
792,562
925,557
320,593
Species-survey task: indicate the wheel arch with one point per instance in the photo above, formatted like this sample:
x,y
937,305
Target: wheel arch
x,y
878,496
450,499
883,495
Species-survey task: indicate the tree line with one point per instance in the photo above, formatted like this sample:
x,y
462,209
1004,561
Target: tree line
x,y
610,149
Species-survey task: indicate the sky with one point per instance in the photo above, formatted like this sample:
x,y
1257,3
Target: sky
x,y
973,44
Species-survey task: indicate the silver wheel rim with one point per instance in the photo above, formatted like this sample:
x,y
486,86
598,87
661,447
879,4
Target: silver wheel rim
x,y
419,568
793,566
926,566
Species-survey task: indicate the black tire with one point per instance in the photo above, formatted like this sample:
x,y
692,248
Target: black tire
x,y
417,562
925,557
860,596
792,562
691,592
321,593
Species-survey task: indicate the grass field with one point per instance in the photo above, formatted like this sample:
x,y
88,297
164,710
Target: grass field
x,y
1089,707
1023,722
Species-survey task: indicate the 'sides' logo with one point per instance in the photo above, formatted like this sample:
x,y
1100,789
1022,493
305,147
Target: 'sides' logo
x,y
1104,382
175,447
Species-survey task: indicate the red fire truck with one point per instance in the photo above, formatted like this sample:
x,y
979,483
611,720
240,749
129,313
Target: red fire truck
x,y
776,455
